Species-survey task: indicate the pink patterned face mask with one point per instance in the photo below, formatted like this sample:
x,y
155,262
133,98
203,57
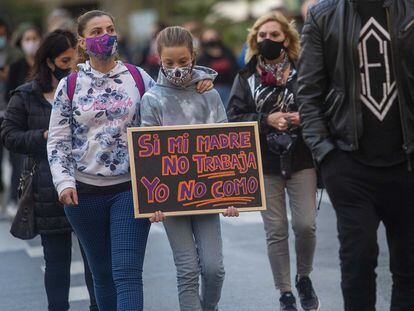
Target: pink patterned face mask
x,y
102,47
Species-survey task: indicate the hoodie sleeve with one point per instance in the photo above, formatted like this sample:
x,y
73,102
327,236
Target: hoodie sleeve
x,y
221,116
149,111
208,73
59,143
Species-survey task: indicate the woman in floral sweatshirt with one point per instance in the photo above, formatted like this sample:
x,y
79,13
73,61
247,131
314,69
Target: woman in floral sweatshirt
x,y
88,157
87,152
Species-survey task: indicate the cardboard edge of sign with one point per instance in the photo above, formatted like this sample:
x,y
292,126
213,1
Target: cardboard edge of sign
x,y
195,126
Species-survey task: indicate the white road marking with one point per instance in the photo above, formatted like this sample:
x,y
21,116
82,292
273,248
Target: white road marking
x,y
34,251
77,267
78,293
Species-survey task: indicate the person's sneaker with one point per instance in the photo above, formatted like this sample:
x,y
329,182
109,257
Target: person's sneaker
x,y
308,299
287,302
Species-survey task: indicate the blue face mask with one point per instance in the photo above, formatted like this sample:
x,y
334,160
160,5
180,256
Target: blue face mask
x,y
3,42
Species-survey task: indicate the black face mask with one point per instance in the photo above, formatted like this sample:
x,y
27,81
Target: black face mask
x,y
270,49
212,44
60,73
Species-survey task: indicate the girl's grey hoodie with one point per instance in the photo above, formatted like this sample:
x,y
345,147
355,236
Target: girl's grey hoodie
x,y
168,104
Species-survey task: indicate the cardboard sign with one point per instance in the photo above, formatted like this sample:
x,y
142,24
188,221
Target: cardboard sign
x,y
197,169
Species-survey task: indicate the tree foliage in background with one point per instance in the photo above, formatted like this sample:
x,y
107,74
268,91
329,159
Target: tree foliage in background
x,y
233,33
19,11
181,11
173,12
190,9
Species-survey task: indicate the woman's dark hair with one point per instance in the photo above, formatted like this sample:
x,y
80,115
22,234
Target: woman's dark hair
x,y
21,30
54,44
82,22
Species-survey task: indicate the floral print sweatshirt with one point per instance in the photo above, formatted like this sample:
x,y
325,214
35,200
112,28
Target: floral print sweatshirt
x,y
87,138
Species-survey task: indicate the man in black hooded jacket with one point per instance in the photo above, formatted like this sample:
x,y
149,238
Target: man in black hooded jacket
x,y
356,96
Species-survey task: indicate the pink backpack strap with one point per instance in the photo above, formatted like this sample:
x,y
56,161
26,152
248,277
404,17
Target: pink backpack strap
x,y
71,85
137,78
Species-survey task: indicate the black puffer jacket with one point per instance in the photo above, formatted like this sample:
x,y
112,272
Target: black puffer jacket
x,y
26,119
329,80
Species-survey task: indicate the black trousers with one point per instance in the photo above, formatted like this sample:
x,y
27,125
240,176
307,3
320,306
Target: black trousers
x,y
363,196
57,250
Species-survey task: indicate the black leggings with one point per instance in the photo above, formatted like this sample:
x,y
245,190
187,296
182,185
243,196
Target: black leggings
x,y
57,250
363,196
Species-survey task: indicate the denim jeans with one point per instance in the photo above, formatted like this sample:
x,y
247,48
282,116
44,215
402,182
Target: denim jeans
x,y
301,189
57,251
197,249
114,243
93,306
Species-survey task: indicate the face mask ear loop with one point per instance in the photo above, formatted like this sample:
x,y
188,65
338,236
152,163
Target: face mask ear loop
x,y
162,70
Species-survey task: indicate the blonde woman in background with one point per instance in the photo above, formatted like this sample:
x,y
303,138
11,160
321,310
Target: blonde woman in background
x,y
265,91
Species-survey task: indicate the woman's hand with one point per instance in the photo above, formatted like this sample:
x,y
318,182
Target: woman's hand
x,y
294,118
158,217
278,120
69,196
231,212
204,85
45,134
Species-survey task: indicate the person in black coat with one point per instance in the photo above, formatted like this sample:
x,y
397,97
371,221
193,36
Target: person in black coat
x,y
216,55
28,40
25,130
8,55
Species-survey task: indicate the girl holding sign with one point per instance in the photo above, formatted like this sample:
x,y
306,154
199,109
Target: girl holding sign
x,y
195,240
88,157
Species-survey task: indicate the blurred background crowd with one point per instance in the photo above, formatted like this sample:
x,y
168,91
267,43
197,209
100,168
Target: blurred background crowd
x,y
219,28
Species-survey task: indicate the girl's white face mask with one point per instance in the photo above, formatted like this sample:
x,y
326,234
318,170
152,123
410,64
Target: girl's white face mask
x,y
178,75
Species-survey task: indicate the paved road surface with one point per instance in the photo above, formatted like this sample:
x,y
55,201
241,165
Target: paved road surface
x,y
248,285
